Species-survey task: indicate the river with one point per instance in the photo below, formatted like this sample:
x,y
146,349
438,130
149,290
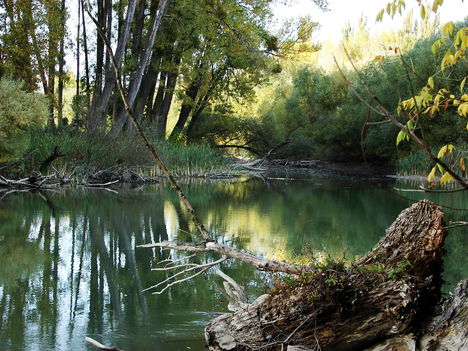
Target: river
x,y
70,267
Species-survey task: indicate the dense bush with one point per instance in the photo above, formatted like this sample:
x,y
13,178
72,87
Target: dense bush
x,y
20,112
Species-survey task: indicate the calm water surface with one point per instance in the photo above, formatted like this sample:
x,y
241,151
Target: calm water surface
x,y
70,267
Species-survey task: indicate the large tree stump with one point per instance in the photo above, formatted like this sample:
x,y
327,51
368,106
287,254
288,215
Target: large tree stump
x,y
348,308
446,331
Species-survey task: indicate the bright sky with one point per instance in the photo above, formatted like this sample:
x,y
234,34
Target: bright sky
x,y
343,11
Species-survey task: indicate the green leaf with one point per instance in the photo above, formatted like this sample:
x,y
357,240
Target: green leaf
x,y
437,45
400,137
462,85
430,81
380,16
423,12
410,125
432,174
441,169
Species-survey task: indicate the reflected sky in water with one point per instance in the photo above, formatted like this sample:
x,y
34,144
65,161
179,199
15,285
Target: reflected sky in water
x,y
71,268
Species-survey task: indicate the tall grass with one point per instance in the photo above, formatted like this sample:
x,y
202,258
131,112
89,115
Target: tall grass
x,y
85,153
418,163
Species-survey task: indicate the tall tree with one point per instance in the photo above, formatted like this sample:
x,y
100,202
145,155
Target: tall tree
x,y
97,112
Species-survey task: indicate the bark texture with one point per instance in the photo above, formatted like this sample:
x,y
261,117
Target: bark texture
x,y
347,308
447,331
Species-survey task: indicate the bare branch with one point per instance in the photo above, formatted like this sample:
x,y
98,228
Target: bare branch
x,y
457,224
101,346
202,267
260,263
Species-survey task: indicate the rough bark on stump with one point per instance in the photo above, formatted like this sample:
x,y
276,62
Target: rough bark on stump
x,y
447,331
347,309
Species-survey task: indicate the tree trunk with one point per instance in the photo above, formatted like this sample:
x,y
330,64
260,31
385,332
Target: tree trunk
x,y
61,66
165,104
86,56
446,331
338,308
186,108
142,66
77,91
97,112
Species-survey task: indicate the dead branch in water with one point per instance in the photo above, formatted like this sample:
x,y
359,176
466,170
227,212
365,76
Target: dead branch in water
x,y
101,346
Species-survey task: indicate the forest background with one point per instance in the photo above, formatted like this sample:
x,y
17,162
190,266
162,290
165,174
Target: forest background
x,y
219,79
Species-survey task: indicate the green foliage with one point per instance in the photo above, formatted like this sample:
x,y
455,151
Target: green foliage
x,y
20,112
323,119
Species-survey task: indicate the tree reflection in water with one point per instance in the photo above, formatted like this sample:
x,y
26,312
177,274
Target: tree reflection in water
x,y
70,268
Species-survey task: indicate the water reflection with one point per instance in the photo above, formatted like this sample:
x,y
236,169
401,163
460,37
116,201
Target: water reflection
x,y
70,267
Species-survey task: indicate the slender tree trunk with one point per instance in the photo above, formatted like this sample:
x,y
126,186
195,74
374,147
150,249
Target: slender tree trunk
x,y
143,65
100,101
161,127
158,100
108,14
78,52
99,47
86,56
61,64
186,108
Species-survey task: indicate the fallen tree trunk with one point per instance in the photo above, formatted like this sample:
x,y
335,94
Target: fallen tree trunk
x,y
384,294
447,331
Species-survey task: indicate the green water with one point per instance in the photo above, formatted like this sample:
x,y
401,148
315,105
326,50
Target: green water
x,y
70,267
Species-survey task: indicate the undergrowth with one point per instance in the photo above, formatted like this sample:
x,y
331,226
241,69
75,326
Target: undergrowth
x,y
329,278
84,153
418,163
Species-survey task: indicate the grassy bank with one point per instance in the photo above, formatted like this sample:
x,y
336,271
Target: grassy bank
x,y
84,154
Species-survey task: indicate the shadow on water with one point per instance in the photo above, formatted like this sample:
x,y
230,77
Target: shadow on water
x,y
70,266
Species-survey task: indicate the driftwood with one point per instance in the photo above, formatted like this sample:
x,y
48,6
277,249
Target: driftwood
x,y
38,182
101,346
386,293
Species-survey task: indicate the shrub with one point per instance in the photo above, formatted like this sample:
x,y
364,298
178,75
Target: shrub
x,y
20,112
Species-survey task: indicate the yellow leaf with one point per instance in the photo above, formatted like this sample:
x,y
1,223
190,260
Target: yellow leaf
x,y
462,85
444,150
463,109
432,174
463,38
436,4
379,58
462,164
430,81
447,29
446,178
464,97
